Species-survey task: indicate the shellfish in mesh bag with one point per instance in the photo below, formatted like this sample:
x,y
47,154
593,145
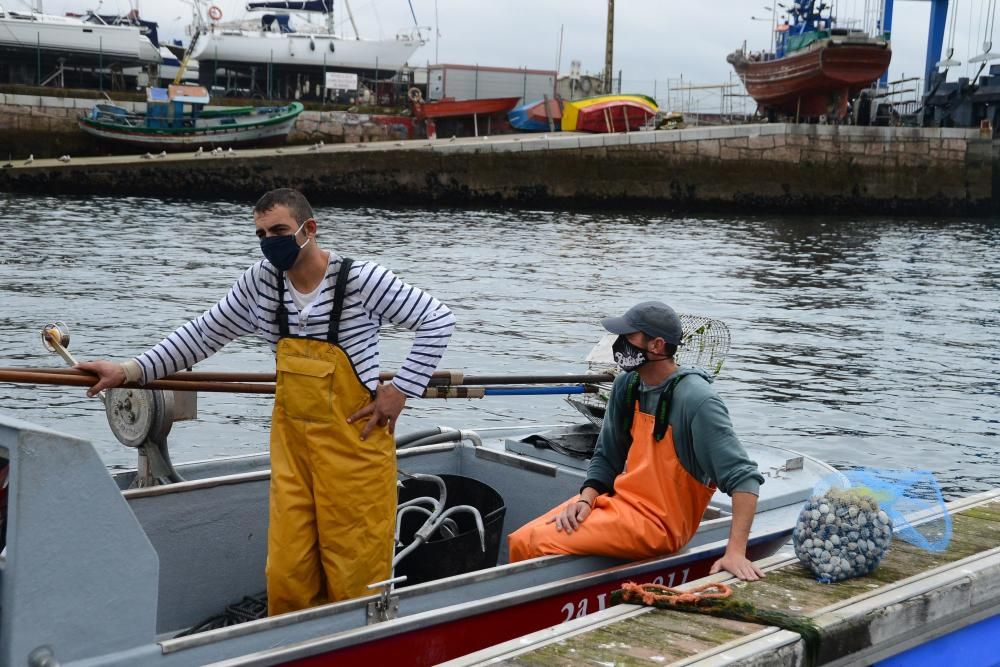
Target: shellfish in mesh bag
x,y
846,527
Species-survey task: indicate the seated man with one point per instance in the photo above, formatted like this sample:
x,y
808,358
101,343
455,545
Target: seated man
x,y
666,443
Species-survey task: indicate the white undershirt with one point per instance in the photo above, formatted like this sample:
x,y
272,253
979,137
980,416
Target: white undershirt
x,y
304,302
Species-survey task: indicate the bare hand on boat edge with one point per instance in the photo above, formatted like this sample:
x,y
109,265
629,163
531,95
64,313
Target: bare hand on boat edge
x,y
383,411
737,565
570,518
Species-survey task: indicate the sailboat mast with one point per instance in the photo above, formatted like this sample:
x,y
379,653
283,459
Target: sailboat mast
x,y
350,15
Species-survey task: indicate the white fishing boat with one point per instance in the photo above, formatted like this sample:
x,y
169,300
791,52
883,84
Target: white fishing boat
x,y
31,36
274,41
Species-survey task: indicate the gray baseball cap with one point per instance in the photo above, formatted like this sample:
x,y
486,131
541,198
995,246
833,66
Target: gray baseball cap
x,y
653,318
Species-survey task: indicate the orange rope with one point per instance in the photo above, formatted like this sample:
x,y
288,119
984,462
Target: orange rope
x,y
650,594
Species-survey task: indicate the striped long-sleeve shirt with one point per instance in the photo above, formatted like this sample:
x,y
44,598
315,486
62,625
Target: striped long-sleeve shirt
x,y
373,295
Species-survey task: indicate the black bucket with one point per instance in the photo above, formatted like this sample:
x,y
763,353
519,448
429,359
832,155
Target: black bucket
x,y
445,556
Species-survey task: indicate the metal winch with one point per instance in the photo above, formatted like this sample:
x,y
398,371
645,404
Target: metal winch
x,y
139,418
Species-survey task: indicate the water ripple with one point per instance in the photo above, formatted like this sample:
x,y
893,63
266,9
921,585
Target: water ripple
x,y
863,342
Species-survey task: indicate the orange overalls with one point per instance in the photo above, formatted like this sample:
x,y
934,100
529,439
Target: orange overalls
x,y
655,510
333,495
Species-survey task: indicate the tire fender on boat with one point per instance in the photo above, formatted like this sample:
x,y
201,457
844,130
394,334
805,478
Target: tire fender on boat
x,y
333,47
214,13
414,94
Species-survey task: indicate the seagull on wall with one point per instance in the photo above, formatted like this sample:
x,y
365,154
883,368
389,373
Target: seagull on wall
x,y
31,158
161,155
199,152
64,158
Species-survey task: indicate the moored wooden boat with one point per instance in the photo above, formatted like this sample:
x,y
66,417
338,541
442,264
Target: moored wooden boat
x,y
176,117
608,113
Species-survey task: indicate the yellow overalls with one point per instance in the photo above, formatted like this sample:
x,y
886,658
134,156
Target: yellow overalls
x,y
333,495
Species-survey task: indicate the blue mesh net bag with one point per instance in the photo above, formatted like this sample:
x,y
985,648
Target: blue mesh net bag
x,y
847,525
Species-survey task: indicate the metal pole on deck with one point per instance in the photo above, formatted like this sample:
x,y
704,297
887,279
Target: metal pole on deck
x,y
619,82
100,63
38,58
270,68
475,124
323,89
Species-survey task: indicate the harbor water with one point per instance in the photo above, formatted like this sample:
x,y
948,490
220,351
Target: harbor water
x,y
863,342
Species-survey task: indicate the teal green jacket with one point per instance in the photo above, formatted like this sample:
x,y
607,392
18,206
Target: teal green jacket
x,y
703,434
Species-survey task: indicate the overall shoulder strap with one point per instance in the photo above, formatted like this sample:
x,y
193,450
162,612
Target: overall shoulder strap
x,y
631,399
282,312
333,333
663,410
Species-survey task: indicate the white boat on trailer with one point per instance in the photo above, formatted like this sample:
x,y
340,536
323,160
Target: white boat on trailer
x,y
101,569
274,42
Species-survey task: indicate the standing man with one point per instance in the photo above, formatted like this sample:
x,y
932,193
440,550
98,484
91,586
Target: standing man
x,y
665,445
333,457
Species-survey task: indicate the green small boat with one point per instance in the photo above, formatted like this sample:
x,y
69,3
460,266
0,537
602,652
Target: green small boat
x,y
176,118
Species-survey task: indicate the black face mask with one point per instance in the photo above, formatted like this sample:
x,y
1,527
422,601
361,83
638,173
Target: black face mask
x,y
628,356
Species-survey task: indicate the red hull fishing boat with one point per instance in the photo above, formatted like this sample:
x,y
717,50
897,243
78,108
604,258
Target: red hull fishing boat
x,y
816,69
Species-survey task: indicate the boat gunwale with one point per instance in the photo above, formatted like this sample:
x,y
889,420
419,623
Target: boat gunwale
x,y
293,111
439,615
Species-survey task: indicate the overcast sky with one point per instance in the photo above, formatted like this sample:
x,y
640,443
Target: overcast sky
x,y
654,39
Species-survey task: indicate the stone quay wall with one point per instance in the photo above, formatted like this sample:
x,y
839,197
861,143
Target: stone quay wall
x,y
46,127
764,168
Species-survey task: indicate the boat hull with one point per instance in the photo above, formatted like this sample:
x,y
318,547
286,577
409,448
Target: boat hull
x,y
318,50
183,551
268,131
76,41
608,113
448,108
536,116
815,82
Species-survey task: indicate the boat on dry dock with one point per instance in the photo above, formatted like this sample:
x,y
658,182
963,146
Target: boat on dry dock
x,y
176,117
608,113
816,69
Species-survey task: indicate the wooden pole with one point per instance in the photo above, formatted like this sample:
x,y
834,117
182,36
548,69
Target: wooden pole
x,y
442,378
447,391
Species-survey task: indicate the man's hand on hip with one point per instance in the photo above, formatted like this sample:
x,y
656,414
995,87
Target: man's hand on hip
x,y
383,411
